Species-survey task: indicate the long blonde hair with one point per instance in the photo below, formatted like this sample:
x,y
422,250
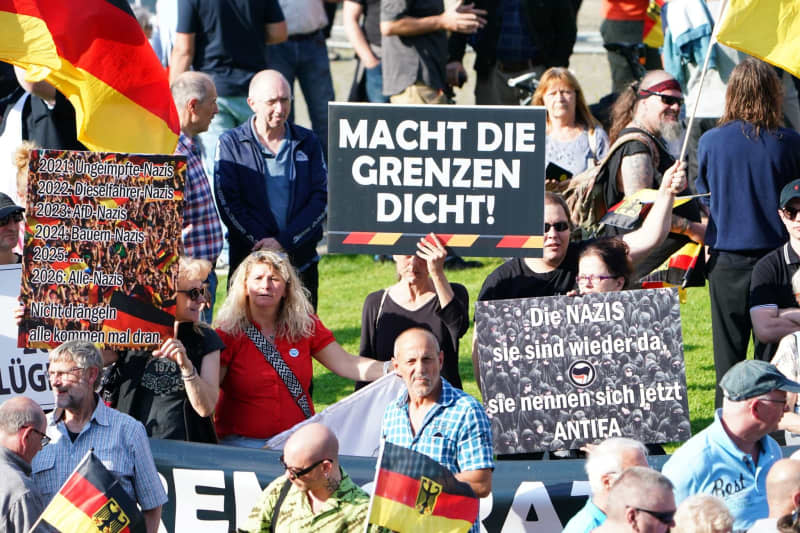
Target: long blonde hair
x,y
294,315
554,75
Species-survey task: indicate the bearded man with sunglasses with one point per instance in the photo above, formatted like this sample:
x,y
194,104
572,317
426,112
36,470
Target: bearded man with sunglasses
x,y
731,457
315,494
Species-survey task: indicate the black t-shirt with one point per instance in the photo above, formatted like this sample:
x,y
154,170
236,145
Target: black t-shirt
x,y
372,20
771,284
152,390
229,39
513,279
50,128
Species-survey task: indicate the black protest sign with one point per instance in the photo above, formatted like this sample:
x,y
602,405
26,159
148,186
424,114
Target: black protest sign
x,y
564,371
472,175
101,248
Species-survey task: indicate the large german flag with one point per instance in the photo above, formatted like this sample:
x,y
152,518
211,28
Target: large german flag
x,y
92,499
415,493
135,315
96,54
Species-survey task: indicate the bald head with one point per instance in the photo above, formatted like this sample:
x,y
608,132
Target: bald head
x,y
641,487
310,444
783,487
18,412
415,337
267,81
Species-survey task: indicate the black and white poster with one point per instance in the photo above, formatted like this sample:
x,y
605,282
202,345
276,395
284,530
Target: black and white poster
x,y
563,371
474,175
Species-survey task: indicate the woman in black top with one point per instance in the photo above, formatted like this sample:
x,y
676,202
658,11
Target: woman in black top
x,y
421,297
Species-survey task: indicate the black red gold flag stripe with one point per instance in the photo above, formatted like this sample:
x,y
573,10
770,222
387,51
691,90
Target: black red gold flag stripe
x,y
96,54
415,493
136,315
92,499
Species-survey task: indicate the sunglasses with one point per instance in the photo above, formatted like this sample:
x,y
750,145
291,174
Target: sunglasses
x,y
559,226
196,294
790,212
45,438
295,473
16,217
665,98
665,517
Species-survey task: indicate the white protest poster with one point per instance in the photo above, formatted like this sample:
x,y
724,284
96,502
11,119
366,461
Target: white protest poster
x,y
563,371
474,175
23,371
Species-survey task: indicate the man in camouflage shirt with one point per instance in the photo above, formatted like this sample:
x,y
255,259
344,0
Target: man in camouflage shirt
x,y
317,494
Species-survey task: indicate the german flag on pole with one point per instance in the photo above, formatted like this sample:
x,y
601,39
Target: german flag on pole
x,y
96,54
92,499
136,315
415,493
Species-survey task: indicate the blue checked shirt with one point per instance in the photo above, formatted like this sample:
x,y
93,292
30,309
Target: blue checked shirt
x,y
121,444
204,239
455,432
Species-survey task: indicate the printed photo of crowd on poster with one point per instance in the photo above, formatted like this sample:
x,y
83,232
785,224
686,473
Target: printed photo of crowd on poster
x,y
101,248
558,373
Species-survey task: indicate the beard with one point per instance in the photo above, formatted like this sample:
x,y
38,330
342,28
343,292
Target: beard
x,y
671,131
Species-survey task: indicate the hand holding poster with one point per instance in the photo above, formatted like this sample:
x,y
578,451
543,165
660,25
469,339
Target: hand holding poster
x,y
101,247
561,372
472,175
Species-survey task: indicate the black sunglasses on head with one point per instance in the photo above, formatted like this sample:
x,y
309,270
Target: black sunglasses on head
x,y
16,217
666,99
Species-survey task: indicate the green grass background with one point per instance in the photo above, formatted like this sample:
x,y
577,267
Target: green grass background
x,y
345,281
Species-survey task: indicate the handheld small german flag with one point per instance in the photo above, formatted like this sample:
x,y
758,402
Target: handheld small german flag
x,y
415,493
92,499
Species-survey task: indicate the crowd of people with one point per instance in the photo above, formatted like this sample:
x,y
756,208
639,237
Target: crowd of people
x,y
259,181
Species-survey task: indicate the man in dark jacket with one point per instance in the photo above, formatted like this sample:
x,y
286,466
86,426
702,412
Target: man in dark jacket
x,y
271,182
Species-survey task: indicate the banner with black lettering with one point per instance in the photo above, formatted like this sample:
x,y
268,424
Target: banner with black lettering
x,y
102,239
472,175
560,372
23,371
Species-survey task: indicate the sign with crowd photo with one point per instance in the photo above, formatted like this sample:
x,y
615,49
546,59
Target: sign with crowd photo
x,y
102,240
560,372
472,175
23,371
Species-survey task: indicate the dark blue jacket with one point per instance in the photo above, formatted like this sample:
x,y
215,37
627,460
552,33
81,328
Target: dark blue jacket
x,y
241,194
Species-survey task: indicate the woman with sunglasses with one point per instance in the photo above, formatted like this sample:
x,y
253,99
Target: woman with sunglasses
x,y
271,336
575,139
11,216
173,390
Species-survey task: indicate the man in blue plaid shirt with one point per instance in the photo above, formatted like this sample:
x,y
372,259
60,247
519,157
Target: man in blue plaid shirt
x,y
436,419
196,101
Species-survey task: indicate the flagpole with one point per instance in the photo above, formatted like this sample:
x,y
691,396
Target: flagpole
x,y
712,41
374,485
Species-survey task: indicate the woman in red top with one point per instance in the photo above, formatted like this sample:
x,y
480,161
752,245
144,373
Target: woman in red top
x,y
254,401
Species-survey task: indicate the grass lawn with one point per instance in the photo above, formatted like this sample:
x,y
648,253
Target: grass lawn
x,y
345,281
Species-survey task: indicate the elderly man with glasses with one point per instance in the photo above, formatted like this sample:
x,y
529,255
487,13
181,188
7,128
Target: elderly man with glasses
x,y
731,457
315,494
641,501
22,426
82,422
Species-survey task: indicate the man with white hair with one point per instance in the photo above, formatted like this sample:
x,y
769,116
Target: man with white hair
x,y
22,427
604,465
641,501
731,457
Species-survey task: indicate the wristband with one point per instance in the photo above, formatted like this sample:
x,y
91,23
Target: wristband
x,y
190,376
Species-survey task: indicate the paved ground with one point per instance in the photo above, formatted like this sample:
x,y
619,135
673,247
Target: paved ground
x,y
588,62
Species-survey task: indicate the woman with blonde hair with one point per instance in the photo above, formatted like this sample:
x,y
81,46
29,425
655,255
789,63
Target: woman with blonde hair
x,y
703,513
173,390
575,139
271,335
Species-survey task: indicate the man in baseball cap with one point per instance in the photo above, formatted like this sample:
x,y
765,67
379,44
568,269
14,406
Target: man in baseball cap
x,y
731,457
11,216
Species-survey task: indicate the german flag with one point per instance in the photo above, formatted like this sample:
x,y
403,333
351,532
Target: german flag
x,y
96,54
135,315
165,259
653,34
74,263
92,499
676,270
415,493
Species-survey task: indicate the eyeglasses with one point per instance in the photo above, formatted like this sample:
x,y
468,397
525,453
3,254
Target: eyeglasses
x,y
196,293
16,217
665,517
559,226
783,402
665,98
56,374
594,278
45,438
295,473
790,212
